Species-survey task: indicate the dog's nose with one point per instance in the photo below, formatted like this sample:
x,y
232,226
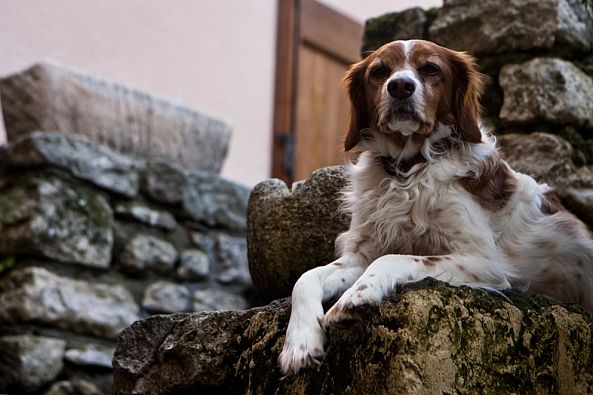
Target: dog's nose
x,y
401,87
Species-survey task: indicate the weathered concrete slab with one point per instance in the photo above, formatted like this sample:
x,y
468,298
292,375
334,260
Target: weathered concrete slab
x,y
50,97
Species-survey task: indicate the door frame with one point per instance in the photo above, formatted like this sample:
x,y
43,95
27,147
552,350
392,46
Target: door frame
x,y
301,22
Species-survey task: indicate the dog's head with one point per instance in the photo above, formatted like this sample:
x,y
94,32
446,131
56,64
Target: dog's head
x,y
409,88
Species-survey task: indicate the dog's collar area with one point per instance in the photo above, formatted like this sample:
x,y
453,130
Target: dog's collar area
x,y
400,168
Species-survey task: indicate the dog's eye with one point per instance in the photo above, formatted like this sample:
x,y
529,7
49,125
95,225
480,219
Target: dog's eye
x,y
380,72
430,69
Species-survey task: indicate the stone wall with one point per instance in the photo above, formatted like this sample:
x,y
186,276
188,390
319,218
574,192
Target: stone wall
x,y
428,337
538,55
92,240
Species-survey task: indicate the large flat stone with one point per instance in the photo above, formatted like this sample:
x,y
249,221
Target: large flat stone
x,y
430,338
28,362
547,89
82,158
58,219
49,97
501,26
290,232
34,295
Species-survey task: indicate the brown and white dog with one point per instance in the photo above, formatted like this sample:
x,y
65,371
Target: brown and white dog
x,y
430,196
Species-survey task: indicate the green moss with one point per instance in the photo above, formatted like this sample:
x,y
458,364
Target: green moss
x,y
431,14
378,31
6,263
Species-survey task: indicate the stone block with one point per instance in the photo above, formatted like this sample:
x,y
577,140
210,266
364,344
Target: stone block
x,y
54,218
231,259
34,295
290,232
165,297
430,338
546,89
193,265
49,97
217,299
29,362
215,202
90,355
146,215
502,26
83,159
145,252
405,25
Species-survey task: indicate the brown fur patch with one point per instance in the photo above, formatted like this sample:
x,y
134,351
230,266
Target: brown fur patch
x,y
546,244
431,260
362,287
551,204
493,187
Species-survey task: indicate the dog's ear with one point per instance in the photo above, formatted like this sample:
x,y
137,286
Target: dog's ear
x,y
359,116
468,84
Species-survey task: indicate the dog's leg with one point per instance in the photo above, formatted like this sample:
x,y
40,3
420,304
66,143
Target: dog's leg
x,y
305,336
386,272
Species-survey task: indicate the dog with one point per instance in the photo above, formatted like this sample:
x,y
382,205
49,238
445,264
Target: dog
x,y
430,196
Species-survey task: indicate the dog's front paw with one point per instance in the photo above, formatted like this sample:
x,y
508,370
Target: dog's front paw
x,y
352,304
303,347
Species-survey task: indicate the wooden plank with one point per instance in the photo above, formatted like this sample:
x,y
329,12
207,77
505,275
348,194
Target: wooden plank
x,y
285,88
330,31
322,115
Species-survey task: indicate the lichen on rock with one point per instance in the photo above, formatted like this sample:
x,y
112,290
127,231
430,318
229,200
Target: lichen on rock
x,y
428,338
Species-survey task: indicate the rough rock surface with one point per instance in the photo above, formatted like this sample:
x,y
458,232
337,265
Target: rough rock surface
x,y
146,215
289,233
164,182
217,299
145,252
49,97
90,355
549,89
231,253
215,202
405,25
34,295
165,297
29,362
548,158
429,338
83,159
543,156
74,387
193,265
54,218
500,26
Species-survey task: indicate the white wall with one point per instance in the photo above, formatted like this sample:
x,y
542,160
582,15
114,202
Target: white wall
x,y
215,55
362,10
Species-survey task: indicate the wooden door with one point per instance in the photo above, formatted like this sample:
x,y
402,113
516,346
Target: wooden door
x,y
315,47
